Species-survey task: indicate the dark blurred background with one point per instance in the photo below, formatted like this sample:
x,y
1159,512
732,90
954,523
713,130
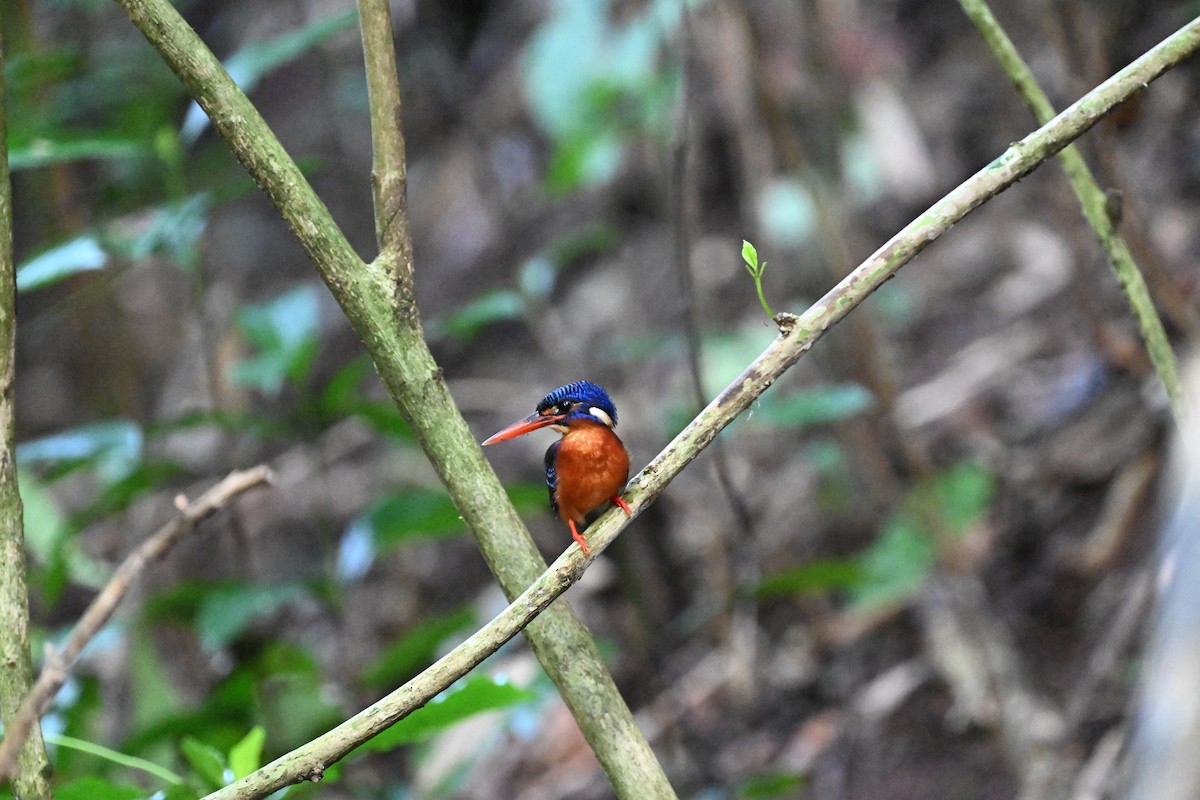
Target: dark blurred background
x,y
917,568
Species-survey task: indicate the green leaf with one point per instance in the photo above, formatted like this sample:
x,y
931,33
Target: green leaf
x,y
292,696
223,717
284,334
343,392
772,785
45,524
225,612
100,751
181,791
411,514
750,255
81,254
408,516
537,277
471,319
246,755
173,231
43,151
114,447
527,497
946,506
815,577
145,478
384,418
49,534
587,158
156,698
343,396
562,59
96,789
206,760
895,566
465,699
819,405
593,84
253,61
415,649
725,355
788,213
961,496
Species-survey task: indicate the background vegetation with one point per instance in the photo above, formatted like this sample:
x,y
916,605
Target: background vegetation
x,y
912,570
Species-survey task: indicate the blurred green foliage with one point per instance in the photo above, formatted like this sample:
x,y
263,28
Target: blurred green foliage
x,y
97,789
283,332
536,279
253,61
597,81
415,649
153,191
771,786
468,697
593,83
934,514
345,396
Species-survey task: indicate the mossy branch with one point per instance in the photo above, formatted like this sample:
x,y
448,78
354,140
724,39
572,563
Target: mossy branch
x,y
1092,200
389,169
378,300
800,333
16,669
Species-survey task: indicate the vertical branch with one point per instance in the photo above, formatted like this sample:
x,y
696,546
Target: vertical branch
x,y
16,667
741,565
389,171
559,640
1091,199
378,300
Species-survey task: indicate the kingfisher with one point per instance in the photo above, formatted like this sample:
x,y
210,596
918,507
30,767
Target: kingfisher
x,y
589,465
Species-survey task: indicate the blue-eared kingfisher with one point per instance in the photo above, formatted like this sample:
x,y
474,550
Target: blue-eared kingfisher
x,y
589,465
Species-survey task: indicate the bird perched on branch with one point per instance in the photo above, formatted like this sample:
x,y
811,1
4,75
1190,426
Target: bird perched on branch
x,y
589,465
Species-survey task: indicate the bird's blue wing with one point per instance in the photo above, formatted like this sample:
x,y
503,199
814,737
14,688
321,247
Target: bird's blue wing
x,y
552,473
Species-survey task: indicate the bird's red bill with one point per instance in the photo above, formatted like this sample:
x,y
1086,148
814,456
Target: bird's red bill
x,y
524,426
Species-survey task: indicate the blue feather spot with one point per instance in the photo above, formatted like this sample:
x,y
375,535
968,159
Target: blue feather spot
x,y
583,395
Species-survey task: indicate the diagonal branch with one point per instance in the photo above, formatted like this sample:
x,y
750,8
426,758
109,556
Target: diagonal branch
x,y
798,335
378,300
60,661
1092,200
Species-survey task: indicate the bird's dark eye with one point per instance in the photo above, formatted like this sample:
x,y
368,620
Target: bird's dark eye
x,y
564,407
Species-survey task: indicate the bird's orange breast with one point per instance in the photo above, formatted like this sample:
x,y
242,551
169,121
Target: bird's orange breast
x,y
592,466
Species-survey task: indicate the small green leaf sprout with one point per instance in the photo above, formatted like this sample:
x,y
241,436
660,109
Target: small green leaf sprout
x,y
756,269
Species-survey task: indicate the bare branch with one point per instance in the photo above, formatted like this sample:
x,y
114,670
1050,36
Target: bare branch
x,y
309,762
389,176
1092,200
60,661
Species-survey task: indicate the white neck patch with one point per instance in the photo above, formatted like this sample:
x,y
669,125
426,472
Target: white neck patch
x,y
602,415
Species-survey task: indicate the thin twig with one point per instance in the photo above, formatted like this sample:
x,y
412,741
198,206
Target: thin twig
x,y
389,175
1092,200
60,661
378,300
740,543
309,761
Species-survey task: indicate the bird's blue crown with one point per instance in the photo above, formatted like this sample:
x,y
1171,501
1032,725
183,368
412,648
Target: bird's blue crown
x,y
576,398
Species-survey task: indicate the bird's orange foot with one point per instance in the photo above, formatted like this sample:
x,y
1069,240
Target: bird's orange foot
x,y
577,536
628,511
